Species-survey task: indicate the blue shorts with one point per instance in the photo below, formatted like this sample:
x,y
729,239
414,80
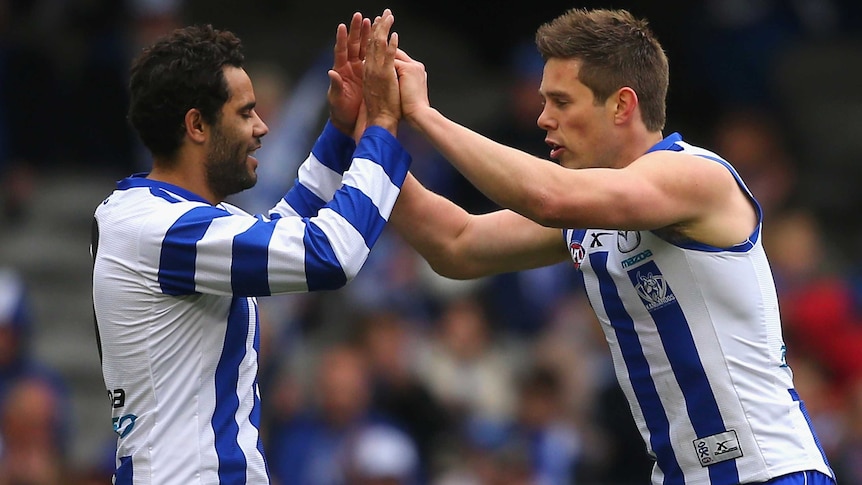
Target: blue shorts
x,y
802,478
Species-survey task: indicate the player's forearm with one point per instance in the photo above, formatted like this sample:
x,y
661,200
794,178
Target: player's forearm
x,y
433,226
509,177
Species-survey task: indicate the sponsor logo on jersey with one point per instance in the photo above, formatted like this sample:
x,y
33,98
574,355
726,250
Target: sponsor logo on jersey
x,y
637,258
717,448
596,242
124,424
628,241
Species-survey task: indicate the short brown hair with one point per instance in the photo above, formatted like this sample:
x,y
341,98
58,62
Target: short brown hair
x,y
616,50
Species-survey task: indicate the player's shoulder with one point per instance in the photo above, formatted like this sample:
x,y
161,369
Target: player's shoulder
x,y
680,162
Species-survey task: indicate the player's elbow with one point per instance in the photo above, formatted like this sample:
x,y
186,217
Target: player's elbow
x,y
454,271
545,208
456,263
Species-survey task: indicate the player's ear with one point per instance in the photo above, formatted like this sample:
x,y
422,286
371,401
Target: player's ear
x,y
195,125
626,100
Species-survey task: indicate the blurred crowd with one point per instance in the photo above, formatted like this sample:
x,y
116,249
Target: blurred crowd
x,y
404,377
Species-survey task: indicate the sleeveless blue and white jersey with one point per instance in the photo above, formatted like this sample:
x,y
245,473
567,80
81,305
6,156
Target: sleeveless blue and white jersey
x,y
174,287
695,336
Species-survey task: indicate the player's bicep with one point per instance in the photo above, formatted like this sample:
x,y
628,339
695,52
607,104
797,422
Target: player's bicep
x,y
661,190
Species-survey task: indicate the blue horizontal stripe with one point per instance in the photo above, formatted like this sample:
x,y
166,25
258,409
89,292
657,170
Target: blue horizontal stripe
x,y
379,146
360,211
322,269
249,272
179,251
305,202
333,148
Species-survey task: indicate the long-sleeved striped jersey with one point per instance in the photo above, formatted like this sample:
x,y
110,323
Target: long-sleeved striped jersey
x,y
697,346
174,286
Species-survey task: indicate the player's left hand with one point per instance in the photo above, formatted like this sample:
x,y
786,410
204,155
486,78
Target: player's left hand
x,y
345,77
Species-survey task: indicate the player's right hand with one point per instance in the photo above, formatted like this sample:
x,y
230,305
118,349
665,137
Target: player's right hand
x,y
345,77
413,83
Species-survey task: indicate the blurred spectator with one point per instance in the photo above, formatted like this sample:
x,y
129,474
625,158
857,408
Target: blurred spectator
x,y
754,144
500,461
543,423
846,459
822,317
33,398
516,124
468,367
32,451
151,19
16,359
312,448
747,36
17,187
616,454
381,455
397,392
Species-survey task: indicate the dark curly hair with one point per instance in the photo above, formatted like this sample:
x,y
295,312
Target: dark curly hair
x,y
616,50
180,71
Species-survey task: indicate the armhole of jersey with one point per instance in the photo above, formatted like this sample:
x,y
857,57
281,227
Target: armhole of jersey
x,y
738,248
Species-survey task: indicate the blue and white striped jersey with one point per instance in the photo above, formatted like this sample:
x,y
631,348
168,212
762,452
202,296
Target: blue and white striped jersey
x,y
696,341
174,287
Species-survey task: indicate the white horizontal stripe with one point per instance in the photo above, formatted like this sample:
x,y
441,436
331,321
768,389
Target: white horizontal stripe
x,y
346,241
373,181
319,178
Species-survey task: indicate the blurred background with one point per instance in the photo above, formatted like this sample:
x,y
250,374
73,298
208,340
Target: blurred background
x,y
403,376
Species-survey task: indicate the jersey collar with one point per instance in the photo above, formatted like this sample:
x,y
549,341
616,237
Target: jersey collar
x,y
669,143
141,180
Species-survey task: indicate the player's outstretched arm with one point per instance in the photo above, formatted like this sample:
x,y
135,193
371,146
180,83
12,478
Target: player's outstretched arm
x,y
460,245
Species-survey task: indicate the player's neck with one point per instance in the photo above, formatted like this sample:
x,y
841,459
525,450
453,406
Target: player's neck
x,y
185,176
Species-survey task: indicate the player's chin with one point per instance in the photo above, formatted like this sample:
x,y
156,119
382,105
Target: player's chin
x,y
249,178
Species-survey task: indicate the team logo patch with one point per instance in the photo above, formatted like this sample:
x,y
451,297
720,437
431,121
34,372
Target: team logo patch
x,y
653,290
717,448
578,254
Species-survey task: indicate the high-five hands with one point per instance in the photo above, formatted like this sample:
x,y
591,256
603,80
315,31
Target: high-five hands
x,y
413,84
345,77
380,86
